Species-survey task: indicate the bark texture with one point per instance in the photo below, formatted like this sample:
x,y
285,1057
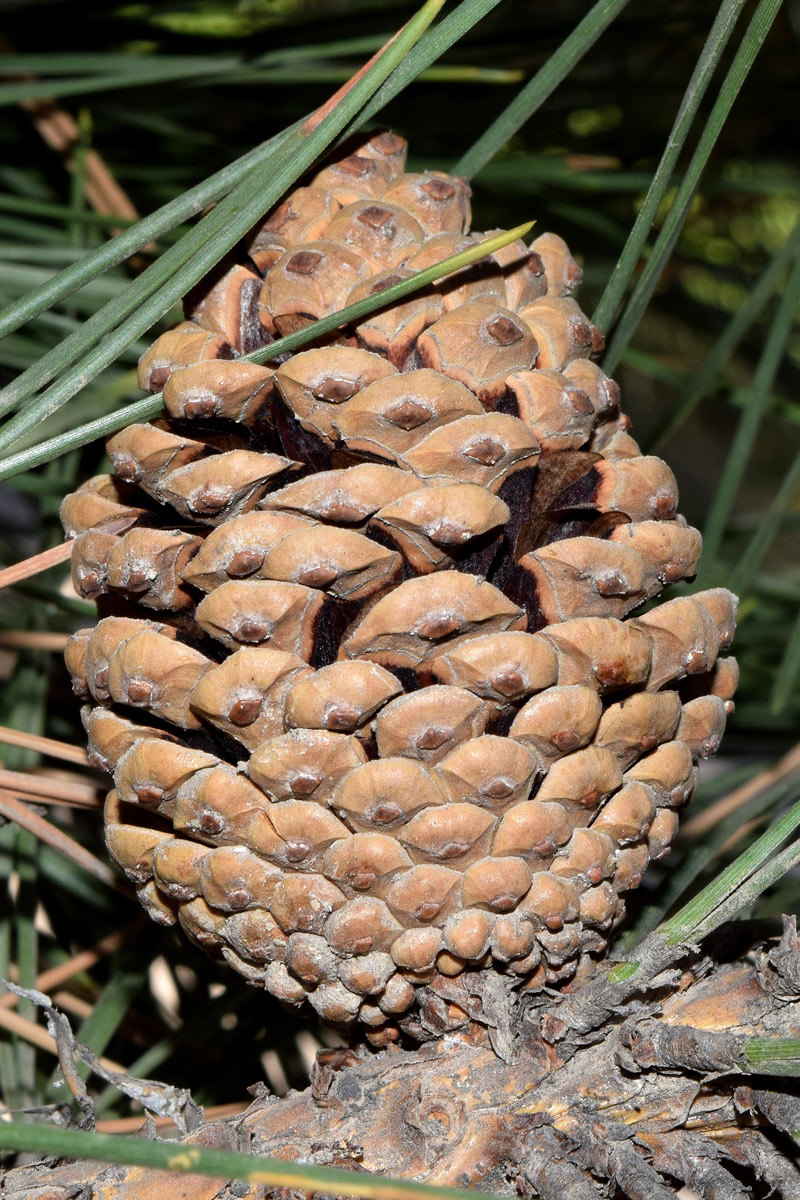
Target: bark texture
x,y
624,1089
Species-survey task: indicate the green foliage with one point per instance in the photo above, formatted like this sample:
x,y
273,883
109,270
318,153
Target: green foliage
x,y
81,435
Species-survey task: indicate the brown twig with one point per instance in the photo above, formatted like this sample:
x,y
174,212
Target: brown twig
x,y
33,639
160,1099
32,1033
29,1031
50,789
218,1112
36,564
57,976
15,810
43,745
317,117
735,800
59,131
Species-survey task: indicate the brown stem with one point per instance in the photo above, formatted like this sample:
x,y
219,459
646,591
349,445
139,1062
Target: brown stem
x,y
35,564
56,976
43,745
48,789
51,835
731,802
58,129
554,1119
34,639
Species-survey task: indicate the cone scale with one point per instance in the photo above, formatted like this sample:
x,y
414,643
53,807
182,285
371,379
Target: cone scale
x,y
368,673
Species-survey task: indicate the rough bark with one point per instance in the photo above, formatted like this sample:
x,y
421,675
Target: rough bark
x,y
604,1090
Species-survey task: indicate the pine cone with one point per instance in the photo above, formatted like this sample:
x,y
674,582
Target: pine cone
x,y
365,673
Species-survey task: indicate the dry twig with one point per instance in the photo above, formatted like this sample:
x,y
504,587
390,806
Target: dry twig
x,y
35,564
15,810
43,745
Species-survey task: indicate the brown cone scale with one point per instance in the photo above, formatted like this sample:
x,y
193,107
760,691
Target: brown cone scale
x,y
371,644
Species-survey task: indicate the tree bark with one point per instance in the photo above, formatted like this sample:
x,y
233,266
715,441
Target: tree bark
x,y
627,1089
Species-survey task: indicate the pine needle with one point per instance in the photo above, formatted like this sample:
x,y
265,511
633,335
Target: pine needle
x,y
32,639
717,40
56,977
45,789
543,84
750,420
51,835
224,1164
34,1035
149,407
36,564
43,745
695,827
729,90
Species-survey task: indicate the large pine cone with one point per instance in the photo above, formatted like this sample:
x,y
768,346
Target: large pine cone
x,y
363,672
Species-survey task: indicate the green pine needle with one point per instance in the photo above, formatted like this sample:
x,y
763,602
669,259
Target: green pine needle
x,y
106,334
772,1056
225,1164
739,325
542,85
721,30
728,893
647,282
749,422
150,406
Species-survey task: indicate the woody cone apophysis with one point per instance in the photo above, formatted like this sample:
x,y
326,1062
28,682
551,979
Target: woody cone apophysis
x,y
364,673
